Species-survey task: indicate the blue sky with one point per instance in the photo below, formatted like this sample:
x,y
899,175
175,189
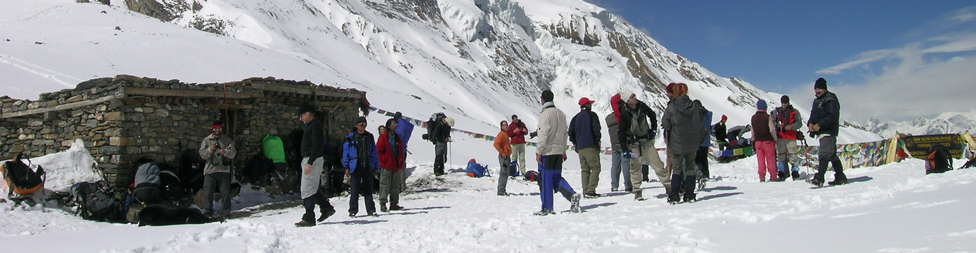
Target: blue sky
x,y
876,55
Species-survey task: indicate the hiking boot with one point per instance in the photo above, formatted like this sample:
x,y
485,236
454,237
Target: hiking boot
x,y
838,181
796,175
613,189
762,179
591,195
817,182
574,205
372,215
305,223
352,215
395,208
326,214
778,179
543,212
673,198
383,208
638,195
780,176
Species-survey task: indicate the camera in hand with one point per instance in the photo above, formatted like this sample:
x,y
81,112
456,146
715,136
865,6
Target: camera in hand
x,y
533,134
425,136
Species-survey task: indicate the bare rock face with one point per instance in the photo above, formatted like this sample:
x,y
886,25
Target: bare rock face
x,y
150,8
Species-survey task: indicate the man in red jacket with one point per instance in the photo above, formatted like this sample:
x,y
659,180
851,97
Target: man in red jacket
x,y
392,157
517,131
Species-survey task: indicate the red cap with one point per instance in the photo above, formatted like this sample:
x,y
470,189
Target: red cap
x,y
585,100
216,126
724,117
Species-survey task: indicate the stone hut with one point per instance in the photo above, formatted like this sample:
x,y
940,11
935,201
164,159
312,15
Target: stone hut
x,y
124,118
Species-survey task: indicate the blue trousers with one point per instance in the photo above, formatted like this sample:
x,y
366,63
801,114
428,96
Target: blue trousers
x,y
553,181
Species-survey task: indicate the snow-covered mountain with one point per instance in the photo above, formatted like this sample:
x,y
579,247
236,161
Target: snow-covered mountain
x,y
481,59
945,123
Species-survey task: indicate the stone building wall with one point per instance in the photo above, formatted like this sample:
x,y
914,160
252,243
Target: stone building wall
x,y
124,118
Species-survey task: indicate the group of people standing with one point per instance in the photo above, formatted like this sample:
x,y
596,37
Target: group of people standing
x,y
777,133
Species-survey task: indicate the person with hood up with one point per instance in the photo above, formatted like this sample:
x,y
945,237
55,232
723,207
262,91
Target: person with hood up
x,y
683,133
764,141
551,153
824,125
636,138
584,133
618,163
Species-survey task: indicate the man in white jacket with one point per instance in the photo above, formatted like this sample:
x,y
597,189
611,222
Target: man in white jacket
x,y
551,152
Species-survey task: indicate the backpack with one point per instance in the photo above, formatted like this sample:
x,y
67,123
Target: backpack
x,y
513,169
21,179
533,176
476,170
939,160
96,201
432,124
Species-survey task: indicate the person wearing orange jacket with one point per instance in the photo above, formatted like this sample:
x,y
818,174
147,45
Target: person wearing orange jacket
x,y
504,147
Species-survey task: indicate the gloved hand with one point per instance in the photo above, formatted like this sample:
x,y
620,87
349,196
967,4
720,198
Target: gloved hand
x,y
651,134
628,154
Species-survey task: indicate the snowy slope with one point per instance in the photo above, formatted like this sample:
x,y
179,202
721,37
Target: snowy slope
x,y
945,123
479,60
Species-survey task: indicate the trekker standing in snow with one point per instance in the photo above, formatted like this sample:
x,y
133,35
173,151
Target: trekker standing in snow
x,y
584,132
701,157
787,122
824,124
720,134
683,133
218,151
636,139
404,130
360,160
440,135
618,163
517,131
503,146
391,153
764,140
313,163
551,153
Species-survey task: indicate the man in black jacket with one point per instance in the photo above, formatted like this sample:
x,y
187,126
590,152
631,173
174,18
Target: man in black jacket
x,y
824,124
312,168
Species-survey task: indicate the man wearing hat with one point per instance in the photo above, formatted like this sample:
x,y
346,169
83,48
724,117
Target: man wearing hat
x,y
824,124
720,134
636,138
312,166
362,164
787,121
217,150
440,137
584,133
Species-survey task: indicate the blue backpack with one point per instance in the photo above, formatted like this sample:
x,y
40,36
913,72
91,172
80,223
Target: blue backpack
x,y
513,169
476,170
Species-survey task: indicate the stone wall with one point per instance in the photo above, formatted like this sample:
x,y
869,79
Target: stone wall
x,y
124,118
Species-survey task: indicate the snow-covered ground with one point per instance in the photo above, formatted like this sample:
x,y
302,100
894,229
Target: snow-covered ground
x,y
891,208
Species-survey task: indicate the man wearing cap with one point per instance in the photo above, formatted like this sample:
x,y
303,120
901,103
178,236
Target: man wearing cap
x,y
312,166
636,138
787,122
440,137
824,124
361,162
584,133
551,153
517,131
217,150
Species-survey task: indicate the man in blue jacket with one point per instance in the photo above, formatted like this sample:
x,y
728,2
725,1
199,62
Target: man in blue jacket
x,y
824,125
362,164
584,132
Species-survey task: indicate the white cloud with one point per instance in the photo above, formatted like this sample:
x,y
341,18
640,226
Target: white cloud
x,y
859,60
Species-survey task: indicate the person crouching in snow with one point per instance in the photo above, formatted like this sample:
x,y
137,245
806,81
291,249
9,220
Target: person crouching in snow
x,y
504,147
392,156
683,133
551,152
764,140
